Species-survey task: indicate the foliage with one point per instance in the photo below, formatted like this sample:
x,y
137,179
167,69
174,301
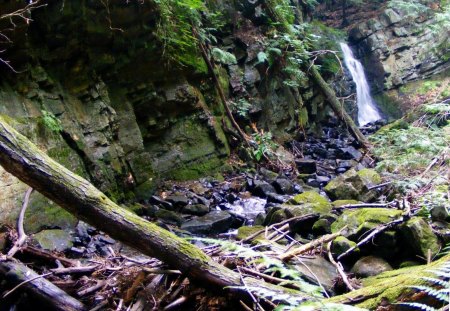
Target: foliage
x,y
272,266
223,57
264,145
242,107
50,121
407,150
437,287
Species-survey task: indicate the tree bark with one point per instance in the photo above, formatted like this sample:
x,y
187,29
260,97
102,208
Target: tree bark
x,y
39,288
337,106
23,159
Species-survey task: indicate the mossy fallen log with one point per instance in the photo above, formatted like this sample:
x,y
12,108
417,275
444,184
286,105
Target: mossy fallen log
x,y
390,287
23,159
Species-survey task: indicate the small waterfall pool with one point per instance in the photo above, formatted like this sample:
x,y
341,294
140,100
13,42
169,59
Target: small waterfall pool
x,y
367,111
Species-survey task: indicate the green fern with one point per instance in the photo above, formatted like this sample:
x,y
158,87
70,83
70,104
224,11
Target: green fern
x,y
50,121
437,287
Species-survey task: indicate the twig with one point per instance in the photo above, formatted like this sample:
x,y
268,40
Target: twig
x,y
364,205
74,270
91,289
22,236
379,185
339,268
255,301
375,231
252,236
311,245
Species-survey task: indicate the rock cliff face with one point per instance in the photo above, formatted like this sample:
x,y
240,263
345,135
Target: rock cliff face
x,y
397,49
93,89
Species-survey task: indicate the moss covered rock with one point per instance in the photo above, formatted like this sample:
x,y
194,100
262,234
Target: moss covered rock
x,y
353,185
246,231
362,220
341,245
312,201
419,235
54,240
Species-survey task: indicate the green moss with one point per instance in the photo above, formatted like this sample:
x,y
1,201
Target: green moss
x,y
197,169
362,220
369,176
246,231
312,198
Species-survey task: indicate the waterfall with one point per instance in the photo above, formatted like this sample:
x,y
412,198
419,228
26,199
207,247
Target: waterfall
x,y
367,111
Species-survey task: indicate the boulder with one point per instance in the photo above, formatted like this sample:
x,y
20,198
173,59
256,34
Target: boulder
x,y
262,188
341,245
353,185
361,220
170,217
306,166
54,240
284,186
419,236
313,200
370,266
212,223
195,209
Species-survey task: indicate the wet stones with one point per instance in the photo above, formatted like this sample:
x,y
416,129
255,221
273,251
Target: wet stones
x,y
306,166
214,222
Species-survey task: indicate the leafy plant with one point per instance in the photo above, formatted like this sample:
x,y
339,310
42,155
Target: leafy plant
x,y
50,121
223,57
437,286
264,145
242,107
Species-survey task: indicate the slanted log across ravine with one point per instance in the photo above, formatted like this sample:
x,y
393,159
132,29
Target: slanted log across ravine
x,y
23,159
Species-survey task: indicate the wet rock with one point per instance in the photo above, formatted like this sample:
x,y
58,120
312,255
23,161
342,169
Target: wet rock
x,y
349,153
106,239
439,213
361,220
341,245
306,166
195,209
370,266
313,182
262,189
318,268
214,222
276,198
54,240
267,174
246,231
84,231
159,201
169,217
283,186
419,236
178,200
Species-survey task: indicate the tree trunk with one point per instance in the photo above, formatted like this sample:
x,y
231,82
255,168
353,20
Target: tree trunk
x,y
39,288
76,195
337,106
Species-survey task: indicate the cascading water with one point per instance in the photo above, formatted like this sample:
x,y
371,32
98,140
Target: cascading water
x,y
367,111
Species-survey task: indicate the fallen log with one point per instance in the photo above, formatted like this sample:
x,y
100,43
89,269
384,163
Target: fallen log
x,y
23,159
42,291
390,287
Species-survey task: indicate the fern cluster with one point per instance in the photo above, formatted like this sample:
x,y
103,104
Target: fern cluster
x,y
437,286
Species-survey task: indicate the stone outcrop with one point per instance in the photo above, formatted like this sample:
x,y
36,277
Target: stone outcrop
x,y
397,48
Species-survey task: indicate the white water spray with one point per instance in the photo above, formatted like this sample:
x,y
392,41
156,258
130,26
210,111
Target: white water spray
x,y
367,112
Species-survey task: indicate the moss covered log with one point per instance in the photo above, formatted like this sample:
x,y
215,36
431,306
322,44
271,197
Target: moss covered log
x,y
23,159
391,286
